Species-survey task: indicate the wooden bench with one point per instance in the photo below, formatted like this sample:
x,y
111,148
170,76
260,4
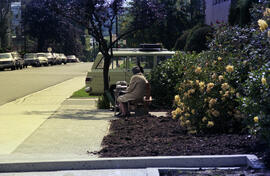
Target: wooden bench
x,y
141,107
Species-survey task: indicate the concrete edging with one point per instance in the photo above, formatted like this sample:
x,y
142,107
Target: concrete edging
x,y
135,163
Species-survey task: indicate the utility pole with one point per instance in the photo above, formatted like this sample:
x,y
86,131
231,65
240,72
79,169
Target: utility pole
x,y
23,25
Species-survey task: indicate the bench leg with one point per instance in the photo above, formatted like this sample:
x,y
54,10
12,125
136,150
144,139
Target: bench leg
x,y
146,108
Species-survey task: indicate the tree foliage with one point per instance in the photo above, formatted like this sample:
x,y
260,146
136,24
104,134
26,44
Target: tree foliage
x,y
195,39
4,13
239,12
180,15
100,15
51,30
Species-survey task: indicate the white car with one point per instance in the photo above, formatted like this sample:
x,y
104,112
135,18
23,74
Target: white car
x,y
42,58
72,58
51,58
63,58
7,61
35,59
58,60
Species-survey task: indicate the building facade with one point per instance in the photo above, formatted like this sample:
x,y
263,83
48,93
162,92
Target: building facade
x,y
217,11
16,26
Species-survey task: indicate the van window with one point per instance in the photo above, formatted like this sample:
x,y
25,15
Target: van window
x,y
118,63
162,58
146,62
100,65
132,61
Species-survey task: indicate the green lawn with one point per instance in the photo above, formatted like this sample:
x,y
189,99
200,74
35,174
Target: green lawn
x,y
82,94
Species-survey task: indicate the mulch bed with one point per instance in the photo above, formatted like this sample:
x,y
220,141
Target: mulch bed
x,y
163,136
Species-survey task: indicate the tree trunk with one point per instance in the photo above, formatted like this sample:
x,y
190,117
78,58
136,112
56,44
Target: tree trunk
x,y
107,61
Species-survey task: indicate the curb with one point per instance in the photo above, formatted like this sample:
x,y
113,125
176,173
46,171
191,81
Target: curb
x,y
250,161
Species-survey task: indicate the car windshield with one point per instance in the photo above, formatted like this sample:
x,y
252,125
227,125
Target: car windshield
x,y
48,54
5,56
71,57
41,55
15,55
29,55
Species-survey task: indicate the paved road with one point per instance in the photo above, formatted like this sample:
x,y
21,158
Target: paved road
x,y
19,83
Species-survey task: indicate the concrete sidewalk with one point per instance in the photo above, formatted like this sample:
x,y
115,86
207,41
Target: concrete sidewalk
x,y
76,127
47,124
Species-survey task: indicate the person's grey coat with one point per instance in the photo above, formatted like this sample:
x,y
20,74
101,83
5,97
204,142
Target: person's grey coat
x,y
135,90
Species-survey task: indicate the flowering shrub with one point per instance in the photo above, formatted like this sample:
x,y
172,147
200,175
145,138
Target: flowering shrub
x,y
165,76
206,100
248,45
256,103
225,89
256,99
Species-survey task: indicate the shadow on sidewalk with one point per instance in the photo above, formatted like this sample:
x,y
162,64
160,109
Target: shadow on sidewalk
x,y
77,114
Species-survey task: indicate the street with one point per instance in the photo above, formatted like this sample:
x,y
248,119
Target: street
x,y
19,83
42,119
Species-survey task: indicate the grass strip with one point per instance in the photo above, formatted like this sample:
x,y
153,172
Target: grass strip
x,y
82,94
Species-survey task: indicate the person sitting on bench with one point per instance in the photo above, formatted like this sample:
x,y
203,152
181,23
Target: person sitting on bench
x,y
134,92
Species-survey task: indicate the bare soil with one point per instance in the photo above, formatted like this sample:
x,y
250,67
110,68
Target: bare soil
x,y
163,136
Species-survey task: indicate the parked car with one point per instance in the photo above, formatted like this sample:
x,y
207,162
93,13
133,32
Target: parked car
x,y
19,60
121,65
35,59
7,61
51,58
58,60
63,58
72,58
43,60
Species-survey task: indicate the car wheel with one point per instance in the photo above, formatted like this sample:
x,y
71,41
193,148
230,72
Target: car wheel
x,y
13,67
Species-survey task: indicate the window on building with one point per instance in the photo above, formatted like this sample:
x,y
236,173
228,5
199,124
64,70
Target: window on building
x,y
215,2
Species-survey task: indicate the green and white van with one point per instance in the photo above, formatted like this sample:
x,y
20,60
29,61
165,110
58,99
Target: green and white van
x,y
122,63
